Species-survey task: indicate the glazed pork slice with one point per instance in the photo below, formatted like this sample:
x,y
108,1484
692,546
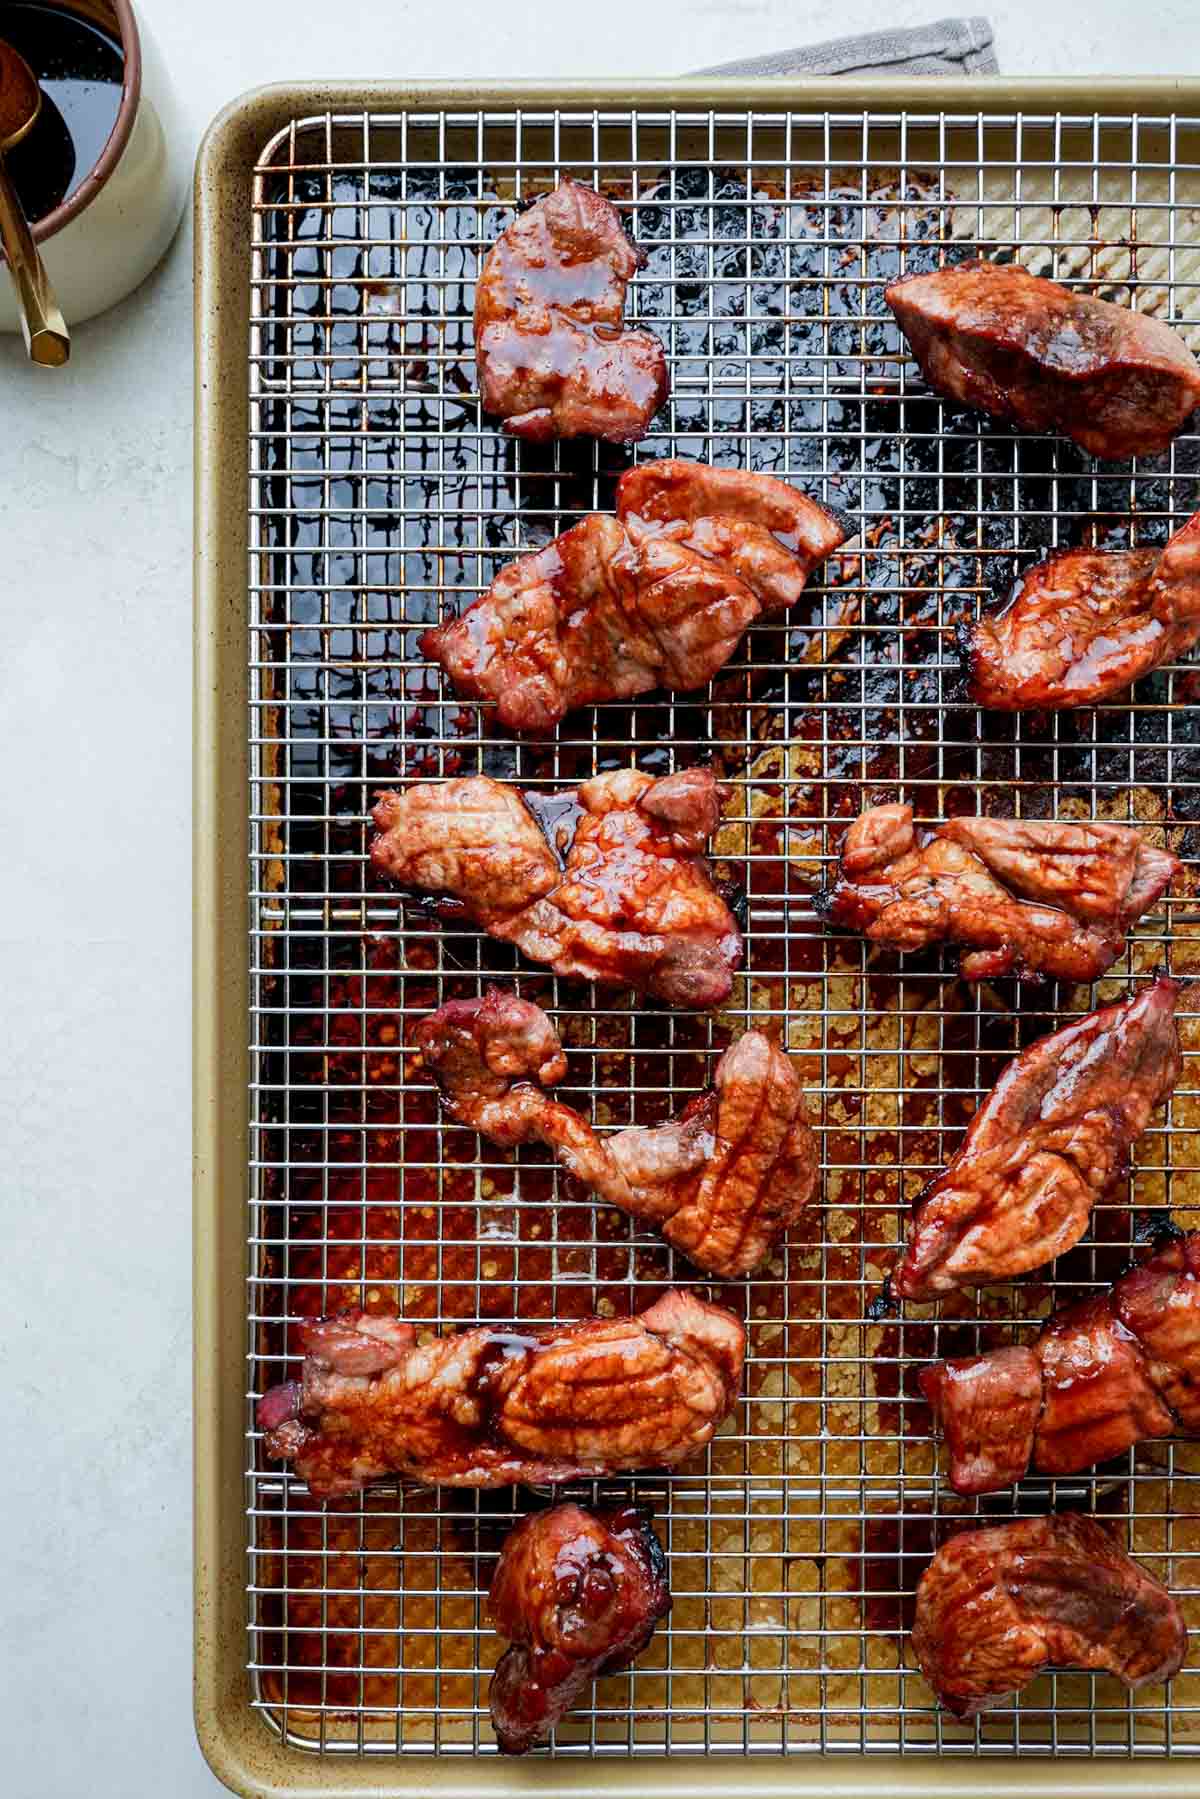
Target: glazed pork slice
x,y
659,596
635,904
1086,624
722,1182
1045,358
577,1594
1030,897
1112,1371
553,355
1050,1139
762,531
491,1407
996,1606
988,1408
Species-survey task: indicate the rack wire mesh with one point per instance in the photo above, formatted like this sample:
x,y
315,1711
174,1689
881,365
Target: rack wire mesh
x,y
381,501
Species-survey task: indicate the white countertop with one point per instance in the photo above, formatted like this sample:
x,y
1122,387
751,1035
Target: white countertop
x,y
95,699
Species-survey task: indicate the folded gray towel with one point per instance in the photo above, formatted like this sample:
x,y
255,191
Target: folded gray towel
x,y
947,47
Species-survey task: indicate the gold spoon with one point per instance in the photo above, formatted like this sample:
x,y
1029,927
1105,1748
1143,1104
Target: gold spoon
x,y
46,335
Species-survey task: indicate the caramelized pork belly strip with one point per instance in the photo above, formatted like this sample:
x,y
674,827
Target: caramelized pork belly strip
x,y
1050,1139
1044,358
1030,897
1086,624
553,355
577,1594
722,1182
634,905
1102,1375
996,1606
659,596
491,1406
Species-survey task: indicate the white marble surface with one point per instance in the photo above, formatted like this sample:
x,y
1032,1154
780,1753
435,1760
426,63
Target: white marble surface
x,y
95,496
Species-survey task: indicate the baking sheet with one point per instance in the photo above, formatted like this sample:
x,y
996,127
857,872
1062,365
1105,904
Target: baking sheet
x,y
811,1531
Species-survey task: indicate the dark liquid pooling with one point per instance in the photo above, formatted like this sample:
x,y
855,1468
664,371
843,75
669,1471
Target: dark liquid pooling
x,y
80,70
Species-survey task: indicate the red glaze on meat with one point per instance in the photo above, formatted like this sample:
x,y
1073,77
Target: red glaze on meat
x,y
1030,897
1103,1375
1086,624
577,1594
635,904
659,596
988,1407
553,355
491,1407
1050,1139
1046,358
722,1182
765,532
996,1606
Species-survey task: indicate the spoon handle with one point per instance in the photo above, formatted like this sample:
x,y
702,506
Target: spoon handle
x,y
46,335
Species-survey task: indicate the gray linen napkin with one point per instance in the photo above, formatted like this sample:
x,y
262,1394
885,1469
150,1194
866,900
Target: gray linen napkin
x,y
947,47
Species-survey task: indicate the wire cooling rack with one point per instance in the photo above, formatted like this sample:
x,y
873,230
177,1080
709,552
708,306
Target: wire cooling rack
x,y
381,501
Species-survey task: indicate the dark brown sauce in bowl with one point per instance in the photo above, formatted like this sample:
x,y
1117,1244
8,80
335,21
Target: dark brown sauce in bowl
x,y
81,71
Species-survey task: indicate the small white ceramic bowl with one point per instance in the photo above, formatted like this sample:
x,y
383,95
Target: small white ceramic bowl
x,y
105,239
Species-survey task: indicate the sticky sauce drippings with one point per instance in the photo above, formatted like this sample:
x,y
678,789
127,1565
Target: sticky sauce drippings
x,y
558,814
501,1347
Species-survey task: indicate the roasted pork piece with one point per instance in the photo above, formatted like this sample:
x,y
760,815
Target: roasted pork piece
x,y
722,1182
1030,897
996,1606
1046,358
659,596
493,1406
577,1594
1101,1376
1085,624
554,359
634,905
1049,1140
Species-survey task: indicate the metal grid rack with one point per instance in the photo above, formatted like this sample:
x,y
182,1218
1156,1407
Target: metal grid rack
x,y
380,501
